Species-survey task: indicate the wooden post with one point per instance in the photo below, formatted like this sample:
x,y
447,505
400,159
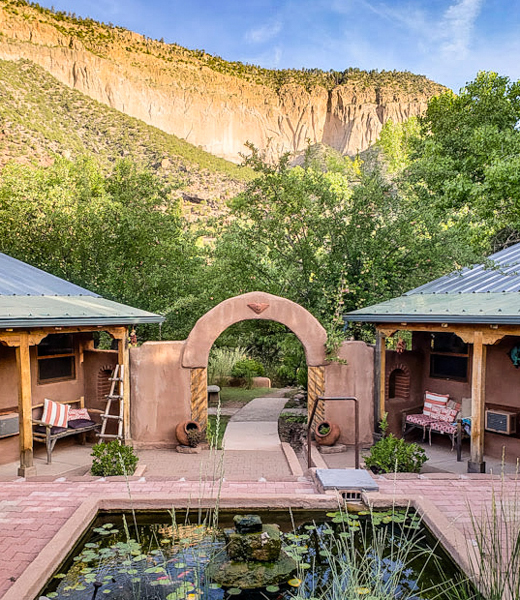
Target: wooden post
x,y
476,463
123,358
23,361
379,379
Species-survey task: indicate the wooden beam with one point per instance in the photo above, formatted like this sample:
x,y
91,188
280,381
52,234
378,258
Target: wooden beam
x,y
379,377
476,463
23,361
491,333
123,358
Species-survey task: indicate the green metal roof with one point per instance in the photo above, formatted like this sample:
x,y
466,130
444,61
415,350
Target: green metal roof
x,y
49,311
30,297
490,307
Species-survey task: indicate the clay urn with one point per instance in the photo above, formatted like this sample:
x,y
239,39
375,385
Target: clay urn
x,y
326,433
187,432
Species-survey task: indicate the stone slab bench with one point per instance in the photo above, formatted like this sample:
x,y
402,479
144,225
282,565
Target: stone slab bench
x,y
213,393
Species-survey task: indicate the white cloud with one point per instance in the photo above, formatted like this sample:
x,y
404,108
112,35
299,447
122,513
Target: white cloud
x,y
264,33
457,26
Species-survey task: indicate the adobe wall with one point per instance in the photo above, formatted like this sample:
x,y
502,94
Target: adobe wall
x,y
356,378
160,393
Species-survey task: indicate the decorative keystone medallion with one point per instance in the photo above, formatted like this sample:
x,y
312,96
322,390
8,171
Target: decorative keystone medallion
x,y
258,307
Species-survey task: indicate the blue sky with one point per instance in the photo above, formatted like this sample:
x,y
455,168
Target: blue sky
x,y
449,41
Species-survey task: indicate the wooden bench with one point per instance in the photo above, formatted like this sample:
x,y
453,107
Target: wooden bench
x,y
52,434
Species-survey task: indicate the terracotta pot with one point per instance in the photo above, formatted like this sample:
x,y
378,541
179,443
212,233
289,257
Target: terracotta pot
x,y
329,438
181,431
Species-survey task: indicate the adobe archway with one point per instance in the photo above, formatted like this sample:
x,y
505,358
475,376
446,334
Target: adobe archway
x,y
251,306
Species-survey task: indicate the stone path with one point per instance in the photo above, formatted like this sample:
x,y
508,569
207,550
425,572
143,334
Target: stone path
x,y
255,427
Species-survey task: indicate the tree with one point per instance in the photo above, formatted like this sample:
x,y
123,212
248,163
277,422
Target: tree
x,y
465,161
119,235
332,241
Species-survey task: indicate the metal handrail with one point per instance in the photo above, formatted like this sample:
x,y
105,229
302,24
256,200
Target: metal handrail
x,y
356,424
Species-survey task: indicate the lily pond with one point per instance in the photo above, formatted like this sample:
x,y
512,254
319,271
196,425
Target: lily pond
x,y
166,556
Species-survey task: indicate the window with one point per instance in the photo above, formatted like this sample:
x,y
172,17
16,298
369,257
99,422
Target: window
x,y
448,357
56,358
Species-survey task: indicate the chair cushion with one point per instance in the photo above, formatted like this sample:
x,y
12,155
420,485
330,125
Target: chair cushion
x,y
55,413
78,413
80,423
421,420
449,414
443,427
433,403
43,429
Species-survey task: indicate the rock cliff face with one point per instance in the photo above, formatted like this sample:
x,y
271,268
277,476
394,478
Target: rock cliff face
x,y
168,89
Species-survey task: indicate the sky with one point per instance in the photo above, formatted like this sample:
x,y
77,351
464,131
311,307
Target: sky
x,y
449,41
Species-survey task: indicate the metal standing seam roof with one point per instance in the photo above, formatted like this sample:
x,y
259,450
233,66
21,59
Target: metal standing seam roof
x,y
486,293
30,297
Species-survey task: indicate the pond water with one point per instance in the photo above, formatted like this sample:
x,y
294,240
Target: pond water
x,y
163,556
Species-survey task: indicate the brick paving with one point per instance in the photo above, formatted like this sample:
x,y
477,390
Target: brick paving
x,y
237,465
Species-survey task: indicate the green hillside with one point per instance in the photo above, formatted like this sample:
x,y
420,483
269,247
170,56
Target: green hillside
x,y
40,118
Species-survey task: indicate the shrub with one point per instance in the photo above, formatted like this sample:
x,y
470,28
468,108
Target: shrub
x,y
112,458
221,363
247,369
395,455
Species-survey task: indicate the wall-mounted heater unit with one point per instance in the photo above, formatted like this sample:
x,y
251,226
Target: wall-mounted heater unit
x,y
9,425
501,421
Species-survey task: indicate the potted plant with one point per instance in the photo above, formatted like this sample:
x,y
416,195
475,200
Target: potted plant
x,y
326,433
189,433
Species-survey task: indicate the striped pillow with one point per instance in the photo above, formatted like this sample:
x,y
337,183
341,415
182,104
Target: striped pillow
x,y
55,413
433,403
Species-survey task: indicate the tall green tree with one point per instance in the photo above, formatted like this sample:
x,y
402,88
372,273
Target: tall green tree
x,y
119,235
464,163
331,241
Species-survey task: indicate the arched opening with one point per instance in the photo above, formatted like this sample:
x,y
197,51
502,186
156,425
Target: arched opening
x,y
253,306
251,367
399,384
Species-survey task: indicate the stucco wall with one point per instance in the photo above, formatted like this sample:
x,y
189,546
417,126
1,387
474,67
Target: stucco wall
x,y
356,378
160,393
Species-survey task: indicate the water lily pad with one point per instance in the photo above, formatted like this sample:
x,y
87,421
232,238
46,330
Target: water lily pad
x,y
295,582
272,589
234,591
214,586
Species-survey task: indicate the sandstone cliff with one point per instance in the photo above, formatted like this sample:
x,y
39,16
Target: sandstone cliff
x,y
173,90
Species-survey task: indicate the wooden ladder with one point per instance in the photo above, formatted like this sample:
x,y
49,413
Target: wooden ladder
x,y
117,382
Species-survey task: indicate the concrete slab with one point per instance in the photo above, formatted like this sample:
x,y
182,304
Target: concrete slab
x,y
261,409
346,479
253,435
